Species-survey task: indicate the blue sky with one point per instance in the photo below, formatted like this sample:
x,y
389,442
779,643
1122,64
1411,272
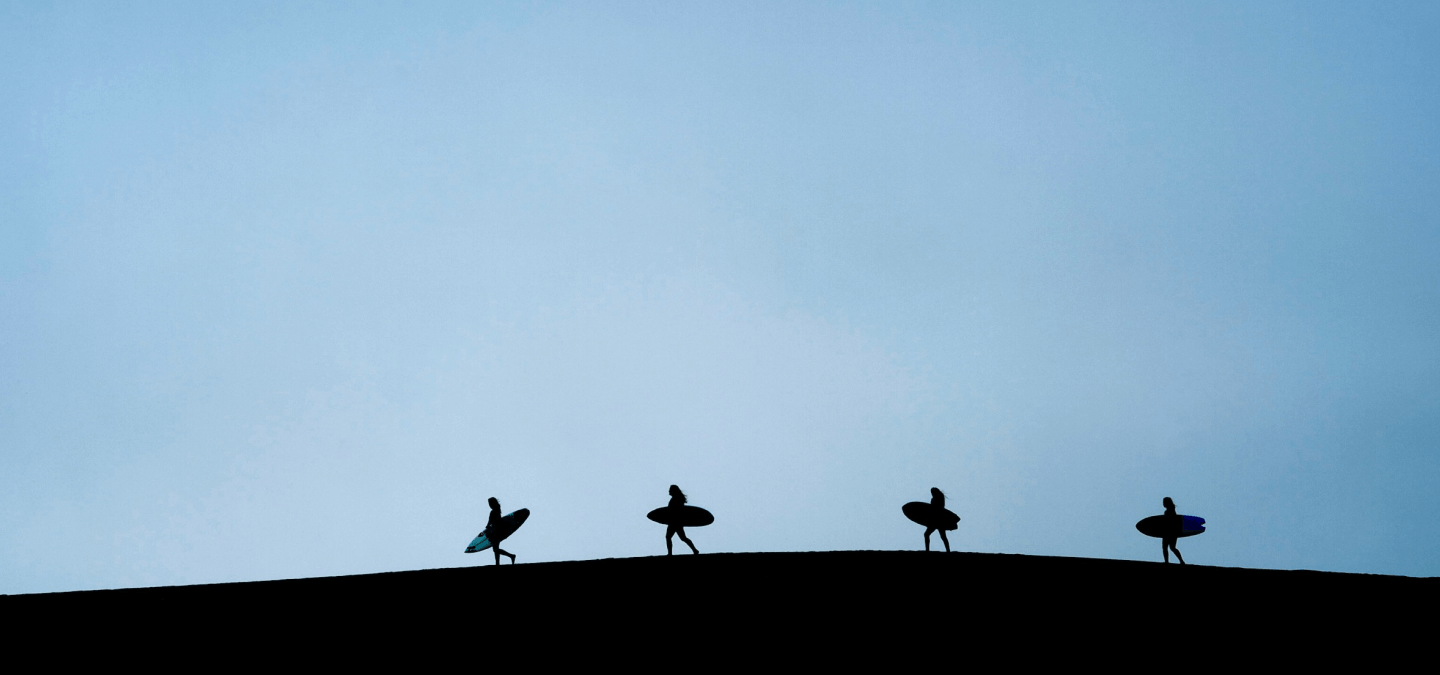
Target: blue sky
x,y
291,289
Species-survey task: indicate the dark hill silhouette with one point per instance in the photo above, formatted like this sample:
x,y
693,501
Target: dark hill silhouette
x,y
851,607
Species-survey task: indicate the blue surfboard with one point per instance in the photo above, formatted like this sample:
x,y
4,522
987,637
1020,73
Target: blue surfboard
x,y
1192,525
1160,527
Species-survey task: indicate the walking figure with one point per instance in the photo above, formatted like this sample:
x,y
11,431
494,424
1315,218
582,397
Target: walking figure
x,y
934,516
677,500
496,528
1173,525
676,517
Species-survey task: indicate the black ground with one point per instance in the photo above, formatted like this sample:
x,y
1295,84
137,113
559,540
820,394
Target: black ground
x,y
845,607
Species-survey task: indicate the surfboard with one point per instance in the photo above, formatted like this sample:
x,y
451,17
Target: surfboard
x,y
930,515
681,516
491,536
1160,528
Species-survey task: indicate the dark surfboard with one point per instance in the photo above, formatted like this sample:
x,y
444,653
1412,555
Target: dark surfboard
x,y
930,515
681,516
491,536
1161,527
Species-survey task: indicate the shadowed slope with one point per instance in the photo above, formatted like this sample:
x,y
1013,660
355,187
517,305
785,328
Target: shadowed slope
x,y
810,605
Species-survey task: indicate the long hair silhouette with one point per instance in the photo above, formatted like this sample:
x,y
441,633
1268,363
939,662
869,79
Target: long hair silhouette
x,y
494,525
677,500
1173,523
937,500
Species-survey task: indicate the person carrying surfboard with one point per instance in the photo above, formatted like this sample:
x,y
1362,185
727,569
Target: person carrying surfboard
x,y
1173,524
677,500
937,500
934,516
496,526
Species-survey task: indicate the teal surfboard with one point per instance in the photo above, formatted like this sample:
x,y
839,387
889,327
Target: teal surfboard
x,y
491,536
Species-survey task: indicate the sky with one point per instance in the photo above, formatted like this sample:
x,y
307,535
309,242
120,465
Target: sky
x,y
290,289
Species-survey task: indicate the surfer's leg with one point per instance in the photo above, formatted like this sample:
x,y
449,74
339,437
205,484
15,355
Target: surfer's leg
x,y
928,530
1165,546
669,540
691,544
500,551
497,554
1177,554
946,540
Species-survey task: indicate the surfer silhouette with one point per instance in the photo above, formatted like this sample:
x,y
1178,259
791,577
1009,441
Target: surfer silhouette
x,y
937,500
677,500
496,526
934,516
1173,525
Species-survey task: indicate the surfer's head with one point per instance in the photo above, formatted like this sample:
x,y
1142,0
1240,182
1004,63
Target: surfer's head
x,y
675,492
1169,504
935,492
494,503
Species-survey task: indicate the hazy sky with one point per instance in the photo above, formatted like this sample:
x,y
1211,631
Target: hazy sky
x,y
291,289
